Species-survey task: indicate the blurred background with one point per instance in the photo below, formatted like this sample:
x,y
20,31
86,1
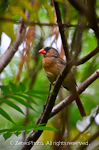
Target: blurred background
x,y
26,67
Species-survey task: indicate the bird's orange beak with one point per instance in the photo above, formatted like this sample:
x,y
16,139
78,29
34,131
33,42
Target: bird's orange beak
x,y
42,51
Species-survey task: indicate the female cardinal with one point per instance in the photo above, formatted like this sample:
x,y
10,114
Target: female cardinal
x,y
53,65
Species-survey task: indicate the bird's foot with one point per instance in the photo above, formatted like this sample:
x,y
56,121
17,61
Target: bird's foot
x,y
55,82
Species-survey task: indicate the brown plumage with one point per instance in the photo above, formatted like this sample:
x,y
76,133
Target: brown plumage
x,y
53,65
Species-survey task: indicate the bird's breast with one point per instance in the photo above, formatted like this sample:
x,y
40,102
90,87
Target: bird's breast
x,y
50,67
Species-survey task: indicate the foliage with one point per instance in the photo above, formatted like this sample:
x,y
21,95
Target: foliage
x,y
23,84
21,96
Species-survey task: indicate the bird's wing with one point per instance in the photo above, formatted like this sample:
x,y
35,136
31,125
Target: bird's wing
x,y
59,64
61,61
71,74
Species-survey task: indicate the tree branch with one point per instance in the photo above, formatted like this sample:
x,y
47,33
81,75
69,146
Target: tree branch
x,y
61,30
32,23
69,99
87,57
7,56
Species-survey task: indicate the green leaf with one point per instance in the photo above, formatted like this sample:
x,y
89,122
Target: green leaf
x,y
14,88
20,100
49,9
17,11
26,97
22,87
16,17
7,28
17,133
5,89
38,92
12,105
5,115
25,5
7,135
46,128
61,1
20,128
36,96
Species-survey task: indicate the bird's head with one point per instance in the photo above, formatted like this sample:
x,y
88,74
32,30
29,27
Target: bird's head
x,y
49,51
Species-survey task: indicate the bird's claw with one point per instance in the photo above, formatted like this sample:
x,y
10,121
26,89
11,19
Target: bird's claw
x,y
55,82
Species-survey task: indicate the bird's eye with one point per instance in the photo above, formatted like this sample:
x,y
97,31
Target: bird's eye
x,y
47,48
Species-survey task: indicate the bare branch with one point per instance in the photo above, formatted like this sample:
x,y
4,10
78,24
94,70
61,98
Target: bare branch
x,y
32,23
69,99
61,29
87,57
7,56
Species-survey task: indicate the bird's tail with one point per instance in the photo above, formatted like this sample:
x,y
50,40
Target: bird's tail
x,y
80,105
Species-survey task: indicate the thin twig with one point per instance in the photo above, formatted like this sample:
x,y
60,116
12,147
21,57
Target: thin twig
x,y
32,23
87,57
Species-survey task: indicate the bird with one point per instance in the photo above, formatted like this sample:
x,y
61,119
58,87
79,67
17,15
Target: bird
x,y
53,65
